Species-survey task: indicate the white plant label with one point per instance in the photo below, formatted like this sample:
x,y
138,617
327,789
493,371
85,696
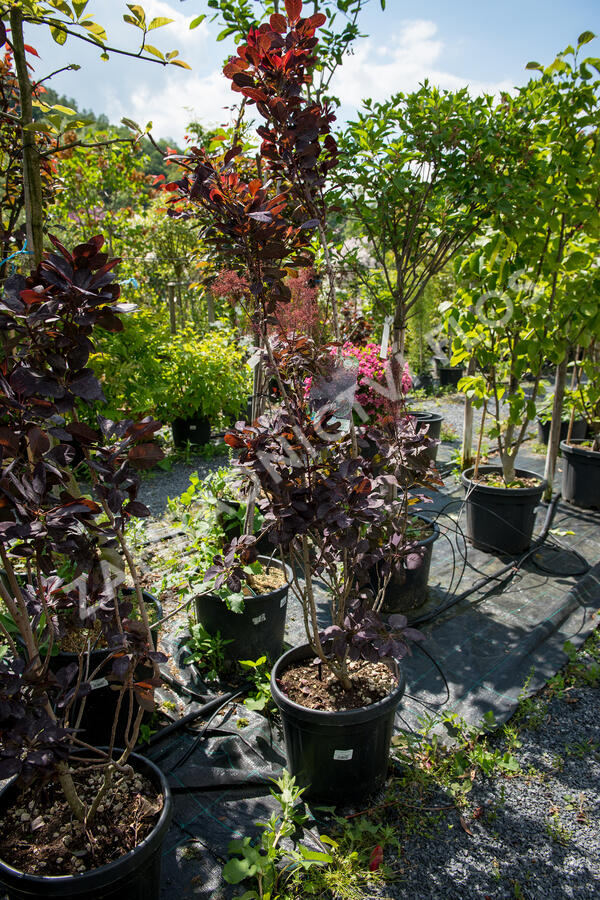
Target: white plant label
x,y
253,361
343,754
259,619
98,683
282,602
385,338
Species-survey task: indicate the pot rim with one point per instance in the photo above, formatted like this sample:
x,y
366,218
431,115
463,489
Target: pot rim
x,y
262,559
92,874
503,491
587,452
333,717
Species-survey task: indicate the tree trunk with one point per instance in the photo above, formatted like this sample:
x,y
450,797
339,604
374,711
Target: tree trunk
x,y
32,178
467,441
554,438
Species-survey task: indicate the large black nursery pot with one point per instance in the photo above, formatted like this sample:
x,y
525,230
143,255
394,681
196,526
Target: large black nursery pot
x,y
135,876
407,588
577,434
449,376
257,630
434,421
101,702
196,430
581,476
336,756
500,520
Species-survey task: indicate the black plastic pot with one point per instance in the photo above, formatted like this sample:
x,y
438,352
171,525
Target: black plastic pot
x,y
255,632
578,433
501,520
100,703
449,376
135,876
196,430
407,588
581,476
337,756
434,421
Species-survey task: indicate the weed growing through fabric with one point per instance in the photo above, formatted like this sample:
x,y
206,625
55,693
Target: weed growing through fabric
x,y
259,698
207,652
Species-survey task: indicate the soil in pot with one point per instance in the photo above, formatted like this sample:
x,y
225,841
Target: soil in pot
x,y
45,853
312,685
338,755
500,518
581,474
257,630
196,430
407,588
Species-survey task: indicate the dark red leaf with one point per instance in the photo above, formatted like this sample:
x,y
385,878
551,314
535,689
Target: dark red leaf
x,y
278,23
294,10
376,858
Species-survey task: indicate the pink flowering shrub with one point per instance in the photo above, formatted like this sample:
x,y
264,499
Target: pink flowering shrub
x,y
375,381
230,285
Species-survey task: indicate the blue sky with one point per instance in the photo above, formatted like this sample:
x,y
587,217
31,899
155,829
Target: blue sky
x,y
483,44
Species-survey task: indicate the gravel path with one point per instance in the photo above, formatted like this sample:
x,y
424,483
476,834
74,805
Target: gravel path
x,y
160,484
532,836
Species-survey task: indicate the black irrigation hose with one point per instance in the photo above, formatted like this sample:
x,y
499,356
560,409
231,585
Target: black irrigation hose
x,y
216,704
203,731
511,566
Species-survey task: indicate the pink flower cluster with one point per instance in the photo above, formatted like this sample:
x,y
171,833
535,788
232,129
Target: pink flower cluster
x,y
375,381
230,285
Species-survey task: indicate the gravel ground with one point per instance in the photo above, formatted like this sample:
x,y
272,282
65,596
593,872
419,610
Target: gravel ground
x,y
532,836
159,485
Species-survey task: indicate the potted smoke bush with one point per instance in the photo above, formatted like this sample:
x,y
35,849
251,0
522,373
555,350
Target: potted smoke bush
x,y
329,510
319,496
76,819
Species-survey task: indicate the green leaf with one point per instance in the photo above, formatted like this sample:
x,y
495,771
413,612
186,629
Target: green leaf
x,y
314,855
65,109
154,51
158,22
180,63
197,21
62,7
585,37
79,6
577,260
138,12
534,65
235,870
58,34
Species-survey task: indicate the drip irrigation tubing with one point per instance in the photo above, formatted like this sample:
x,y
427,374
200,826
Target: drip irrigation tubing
x,y
511,567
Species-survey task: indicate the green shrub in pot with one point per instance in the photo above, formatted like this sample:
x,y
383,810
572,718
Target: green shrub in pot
x,y
201,376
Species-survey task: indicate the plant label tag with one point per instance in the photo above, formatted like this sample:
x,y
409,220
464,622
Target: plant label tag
x,y
193,428
385,338
343,754
259,619
98,683
282,602
253,361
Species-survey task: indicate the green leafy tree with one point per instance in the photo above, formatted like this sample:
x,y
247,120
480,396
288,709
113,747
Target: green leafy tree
x,y
526,292
419,173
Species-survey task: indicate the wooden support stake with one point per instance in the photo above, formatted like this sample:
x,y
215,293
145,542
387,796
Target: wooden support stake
x,y
171,297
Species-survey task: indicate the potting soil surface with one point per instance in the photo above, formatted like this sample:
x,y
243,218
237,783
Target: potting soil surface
x,y
504,639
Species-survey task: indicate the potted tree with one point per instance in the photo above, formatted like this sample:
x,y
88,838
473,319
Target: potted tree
x,y
73,792
489,326
581,456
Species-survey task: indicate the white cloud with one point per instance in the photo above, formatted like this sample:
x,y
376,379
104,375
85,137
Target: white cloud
x,y
178,100
412,55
